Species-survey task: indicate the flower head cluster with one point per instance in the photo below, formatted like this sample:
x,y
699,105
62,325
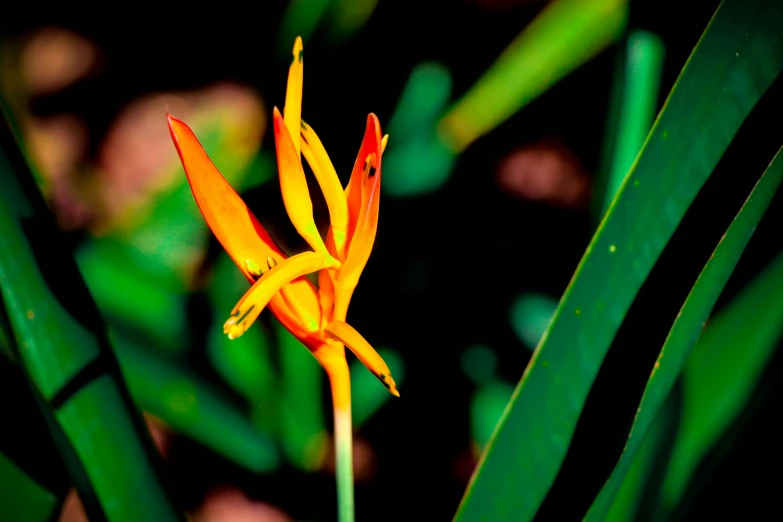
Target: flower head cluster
x,y
315,315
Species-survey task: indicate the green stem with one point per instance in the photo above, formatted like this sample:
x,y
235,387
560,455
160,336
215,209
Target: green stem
x,y
339,378
343,445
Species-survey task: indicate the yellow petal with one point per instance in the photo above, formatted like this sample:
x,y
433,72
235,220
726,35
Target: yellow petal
x,y
293,93
319,161
344,333
263,290
293,185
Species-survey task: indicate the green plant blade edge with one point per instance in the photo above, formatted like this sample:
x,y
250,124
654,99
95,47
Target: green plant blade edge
x,y
722,372
688,326
60,342
723,79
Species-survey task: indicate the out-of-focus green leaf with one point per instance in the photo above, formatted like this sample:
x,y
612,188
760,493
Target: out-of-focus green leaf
x,y
530,316
33,480
131,296
417,161
367,394
722,372
565,35
190,406
479,362
245,362
301,18
22,498
638,94
302,427
60,342
643,480
348,16
486,408
688,326
722,81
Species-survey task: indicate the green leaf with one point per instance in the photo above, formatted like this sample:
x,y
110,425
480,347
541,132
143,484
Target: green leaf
x,y
565,35
245,362
642,482
131,295
302,425
22,498
348,16
486,408
722,372
301,18
530,317
33,479
190,406
60,341
737,59
417,161
688,326
637,88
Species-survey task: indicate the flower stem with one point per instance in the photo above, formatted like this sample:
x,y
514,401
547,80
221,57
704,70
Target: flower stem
x,y
340,381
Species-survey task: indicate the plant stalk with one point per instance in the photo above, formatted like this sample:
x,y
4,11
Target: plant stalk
x,y
339,378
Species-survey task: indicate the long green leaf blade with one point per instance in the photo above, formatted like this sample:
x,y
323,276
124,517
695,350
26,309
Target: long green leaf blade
x,y
61,343
21,498
722,372
190,406
688,326
737,59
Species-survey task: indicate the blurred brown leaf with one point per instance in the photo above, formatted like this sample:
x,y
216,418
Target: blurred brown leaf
x,y
544,171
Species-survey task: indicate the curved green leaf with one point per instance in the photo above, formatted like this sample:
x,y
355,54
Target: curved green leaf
x,y
22,498
688,326
738,57
190,406
722,372
564,35
60,341
302,425
638,100
643,478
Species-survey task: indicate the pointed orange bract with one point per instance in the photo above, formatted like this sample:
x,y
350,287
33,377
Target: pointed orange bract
x,y
234,225
368,152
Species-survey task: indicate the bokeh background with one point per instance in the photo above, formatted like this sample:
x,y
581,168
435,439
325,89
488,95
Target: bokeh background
x,y
461,284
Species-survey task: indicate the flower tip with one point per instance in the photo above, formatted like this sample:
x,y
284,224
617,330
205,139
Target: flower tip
x,y
232,329
177,127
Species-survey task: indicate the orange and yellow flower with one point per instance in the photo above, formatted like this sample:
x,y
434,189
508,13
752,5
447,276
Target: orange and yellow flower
x,y
314,315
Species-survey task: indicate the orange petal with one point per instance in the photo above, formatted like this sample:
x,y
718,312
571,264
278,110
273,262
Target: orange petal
x,y
326,295
344,333
315,154
293,93
234,225
370,148
268,285
362,240
293,185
